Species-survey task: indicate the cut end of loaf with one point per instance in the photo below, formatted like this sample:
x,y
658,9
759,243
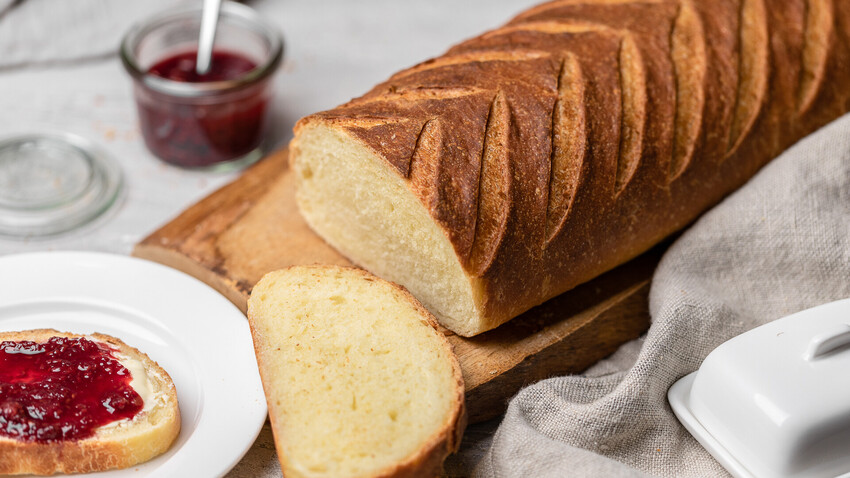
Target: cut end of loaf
x,y
358,381
352,198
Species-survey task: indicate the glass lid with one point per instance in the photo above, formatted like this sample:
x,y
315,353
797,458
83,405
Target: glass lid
x,y
53,183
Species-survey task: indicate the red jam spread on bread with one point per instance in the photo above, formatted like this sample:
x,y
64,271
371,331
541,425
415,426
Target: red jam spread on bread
x,y
63,389
208,130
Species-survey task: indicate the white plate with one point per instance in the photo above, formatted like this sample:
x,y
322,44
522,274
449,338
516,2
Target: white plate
x,y
197,336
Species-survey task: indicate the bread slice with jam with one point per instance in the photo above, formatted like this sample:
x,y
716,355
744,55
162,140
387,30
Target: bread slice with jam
x,y
73,403
359,381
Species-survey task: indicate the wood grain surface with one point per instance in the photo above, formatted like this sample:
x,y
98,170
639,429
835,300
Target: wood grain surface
x,y
252,226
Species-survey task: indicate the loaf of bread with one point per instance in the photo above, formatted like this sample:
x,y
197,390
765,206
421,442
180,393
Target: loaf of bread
x,y
539,155
118,444
358,381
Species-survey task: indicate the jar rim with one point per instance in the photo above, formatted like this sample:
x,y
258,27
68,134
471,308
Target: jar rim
x,y
190,90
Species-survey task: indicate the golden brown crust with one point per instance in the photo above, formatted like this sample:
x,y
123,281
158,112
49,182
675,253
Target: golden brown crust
x,y
102,451
583,132
427,460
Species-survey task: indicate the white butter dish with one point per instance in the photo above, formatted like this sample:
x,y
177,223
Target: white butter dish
x,y
775,401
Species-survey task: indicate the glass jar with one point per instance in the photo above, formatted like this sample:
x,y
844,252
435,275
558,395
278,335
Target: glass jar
x,y
211,125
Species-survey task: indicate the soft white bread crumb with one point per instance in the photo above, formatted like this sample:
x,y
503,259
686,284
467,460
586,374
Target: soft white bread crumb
x,y
348,194
118,445
357,379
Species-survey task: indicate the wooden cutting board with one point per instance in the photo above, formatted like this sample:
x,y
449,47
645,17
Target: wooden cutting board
x,y
252,226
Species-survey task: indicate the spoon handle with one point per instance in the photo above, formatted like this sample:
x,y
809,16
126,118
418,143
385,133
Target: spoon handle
x,y
209,19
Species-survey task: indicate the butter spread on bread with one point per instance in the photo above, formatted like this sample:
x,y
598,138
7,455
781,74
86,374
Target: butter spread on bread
x,y
81,403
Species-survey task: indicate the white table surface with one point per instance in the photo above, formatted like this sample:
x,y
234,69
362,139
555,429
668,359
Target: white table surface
x,y
334,50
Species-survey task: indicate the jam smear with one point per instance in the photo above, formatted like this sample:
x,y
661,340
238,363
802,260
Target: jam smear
x,y
63,389
199,132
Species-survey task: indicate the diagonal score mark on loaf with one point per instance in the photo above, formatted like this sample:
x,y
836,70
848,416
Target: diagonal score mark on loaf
x,y
819,31
569,145
427,133
690,63
633,88
366,122
415,95
471,57
550,27
425,162
546,7
494,187
752,71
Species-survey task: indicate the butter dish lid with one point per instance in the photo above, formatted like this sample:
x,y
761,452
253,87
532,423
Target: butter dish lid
x,y
775,401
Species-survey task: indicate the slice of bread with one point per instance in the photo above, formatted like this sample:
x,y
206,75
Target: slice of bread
x,y
358,380
116,445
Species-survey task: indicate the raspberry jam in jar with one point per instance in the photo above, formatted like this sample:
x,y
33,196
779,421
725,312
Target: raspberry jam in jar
x,y
198,135
224,66
63,389
212,121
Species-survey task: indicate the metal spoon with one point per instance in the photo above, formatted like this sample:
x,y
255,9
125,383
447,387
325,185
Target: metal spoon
x,y
209,20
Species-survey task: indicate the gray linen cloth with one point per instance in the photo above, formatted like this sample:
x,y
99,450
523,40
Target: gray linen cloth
x,y
48,31
778,245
